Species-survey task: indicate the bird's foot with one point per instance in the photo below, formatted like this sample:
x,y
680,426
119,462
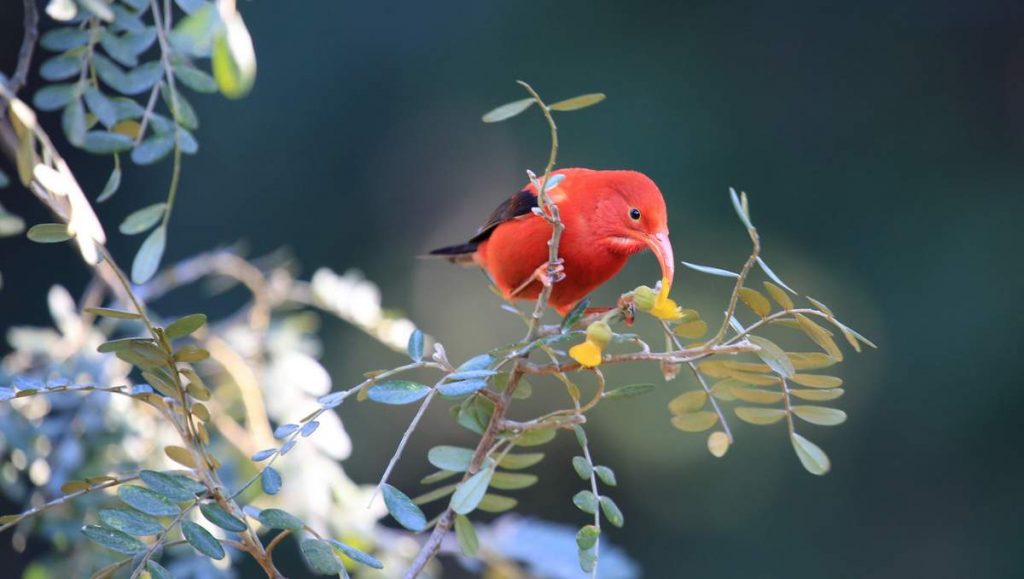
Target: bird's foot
x,y
548,274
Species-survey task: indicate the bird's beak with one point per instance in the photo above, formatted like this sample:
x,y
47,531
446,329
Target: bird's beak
x,y
662,248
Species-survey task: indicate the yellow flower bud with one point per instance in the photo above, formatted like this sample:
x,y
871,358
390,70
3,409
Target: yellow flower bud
x,y
644,298
600,333
588,354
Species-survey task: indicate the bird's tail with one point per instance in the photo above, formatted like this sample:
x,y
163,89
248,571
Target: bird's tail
x,y
461,254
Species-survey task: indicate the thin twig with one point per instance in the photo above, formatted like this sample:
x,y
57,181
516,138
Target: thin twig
x,y
28,46
61,500
401,444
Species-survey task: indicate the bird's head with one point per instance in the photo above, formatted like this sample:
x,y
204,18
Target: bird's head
x,y
631,212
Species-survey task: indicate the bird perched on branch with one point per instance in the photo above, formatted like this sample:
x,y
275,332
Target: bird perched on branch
x,y
608,217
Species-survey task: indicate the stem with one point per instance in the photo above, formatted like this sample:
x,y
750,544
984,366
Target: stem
x,y
740,280
401,445
61,500
501,405
141,566
28,45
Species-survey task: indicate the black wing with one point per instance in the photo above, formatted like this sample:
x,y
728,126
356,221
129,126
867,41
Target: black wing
x,y
521,203
517,205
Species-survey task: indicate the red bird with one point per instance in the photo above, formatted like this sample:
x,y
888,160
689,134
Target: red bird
x,y
608,216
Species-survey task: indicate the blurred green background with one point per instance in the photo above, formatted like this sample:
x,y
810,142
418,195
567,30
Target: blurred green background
x,y
881,144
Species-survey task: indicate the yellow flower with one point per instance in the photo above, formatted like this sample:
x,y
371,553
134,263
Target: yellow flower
x,y
588,354
665,308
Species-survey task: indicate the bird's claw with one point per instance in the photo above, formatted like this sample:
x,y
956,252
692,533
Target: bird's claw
x,y
550,273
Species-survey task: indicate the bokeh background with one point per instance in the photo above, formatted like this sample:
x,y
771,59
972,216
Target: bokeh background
x,y
881,144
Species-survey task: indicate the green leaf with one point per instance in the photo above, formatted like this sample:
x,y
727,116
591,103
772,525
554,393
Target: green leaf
x,y
320,557
99,8
688,402
760,416
585,501
481,362
816,395
768,271
415,346
147,501
437,477
61,67
475,413
471,491
469,544
233,59
578,102
740,207
53,97
106,143
131,522
184,114
438,493
279,519
581,435
153,149
535,437
820,415
192,353
113,539
147,260
403,510
101,106
175,487
577,311
606,475
492,503
270,480
629,391
309,428
185,325
520,461
356,555
695,422
588,560
397,392
507,110
582,467
450,458
73,122
710,270
193,35
48,233
773,355
113,184
811,456
157,571
202,541
587,537
820,336
223,519
611,512
117,314
194,78
143,219
509,481
60,39
461,387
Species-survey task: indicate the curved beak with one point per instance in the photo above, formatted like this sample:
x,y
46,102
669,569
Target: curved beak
x,y
662,248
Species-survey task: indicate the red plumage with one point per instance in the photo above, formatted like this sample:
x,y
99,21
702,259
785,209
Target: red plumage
x,y
608,216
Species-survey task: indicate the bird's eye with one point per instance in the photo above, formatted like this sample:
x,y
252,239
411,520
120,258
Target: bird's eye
x,y
634,214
